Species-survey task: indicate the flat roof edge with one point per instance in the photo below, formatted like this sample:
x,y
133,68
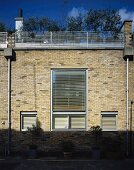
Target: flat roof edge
x,y
92,48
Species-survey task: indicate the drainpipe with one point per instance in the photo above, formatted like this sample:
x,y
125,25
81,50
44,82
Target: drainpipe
x,y
8,53
9,106
127,56
127,116
131,130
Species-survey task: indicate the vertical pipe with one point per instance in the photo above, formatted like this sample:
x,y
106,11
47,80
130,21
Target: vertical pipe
x,y
51,100
86,99
127,123
9,106
131,129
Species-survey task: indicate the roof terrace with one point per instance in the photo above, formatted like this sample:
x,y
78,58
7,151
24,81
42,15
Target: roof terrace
x,y
69,40
63,40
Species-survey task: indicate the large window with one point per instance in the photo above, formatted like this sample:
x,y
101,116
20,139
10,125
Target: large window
x,y
109,121
68,99
28,120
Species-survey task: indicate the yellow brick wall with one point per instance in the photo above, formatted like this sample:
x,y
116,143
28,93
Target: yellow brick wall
x,y
30,86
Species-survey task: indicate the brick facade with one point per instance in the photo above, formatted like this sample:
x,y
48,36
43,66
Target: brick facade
x,y
31,84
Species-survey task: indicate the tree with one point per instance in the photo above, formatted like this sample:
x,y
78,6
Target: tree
x,y
53,26
31,25
10,30
43,24
103,20
2,27
74,23
34,25
94,20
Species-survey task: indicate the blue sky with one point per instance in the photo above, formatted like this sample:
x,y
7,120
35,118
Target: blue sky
x,y
58,9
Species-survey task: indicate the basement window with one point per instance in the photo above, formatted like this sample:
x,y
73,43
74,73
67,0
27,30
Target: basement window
x,y
109,121
28,120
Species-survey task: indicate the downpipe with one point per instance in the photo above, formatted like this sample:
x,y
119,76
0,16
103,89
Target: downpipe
x,y
127,112
9,107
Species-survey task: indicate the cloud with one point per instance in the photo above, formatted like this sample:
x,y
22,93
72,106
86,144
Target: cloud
x,y
126,15
75,12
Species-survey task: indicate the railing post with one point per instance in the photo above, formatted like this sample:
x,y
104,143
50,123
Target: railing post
x,y
51,38
6,38
87,39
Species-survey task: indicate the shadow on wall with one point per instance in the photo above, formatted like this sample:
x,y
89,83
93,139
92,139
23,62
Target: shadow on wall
x,y
111,144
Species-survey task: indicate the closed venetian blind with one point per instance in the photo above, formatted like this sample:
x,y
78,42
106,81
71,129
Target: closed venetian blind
x,y
77,122
61,122
69,90
109,122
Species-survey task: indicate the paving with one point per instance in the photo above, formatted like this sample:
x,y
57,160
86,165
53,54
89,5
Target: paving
x,y
43,164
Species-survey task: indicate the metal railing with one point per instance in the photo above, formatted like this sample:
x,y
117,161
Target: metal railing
x,y
3,39
69,39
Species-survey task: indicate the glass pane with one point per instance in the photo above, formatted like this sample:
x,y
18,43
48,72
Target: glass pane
x,y
60,122
69,90
109,122
77,122
28,121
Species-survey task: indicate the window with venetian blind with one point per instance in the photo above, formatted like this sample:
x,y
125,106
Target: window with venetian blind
x,y
28,120
68,99
109,121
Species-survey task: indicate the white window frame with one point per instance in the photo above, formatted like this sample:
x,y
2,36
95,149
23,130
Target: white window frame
x,y
26,113
110,113
68,116
70,113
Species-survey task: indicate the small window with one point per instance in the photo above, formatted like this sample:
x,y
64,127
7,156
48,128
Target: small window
x,y
28,120
109,121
